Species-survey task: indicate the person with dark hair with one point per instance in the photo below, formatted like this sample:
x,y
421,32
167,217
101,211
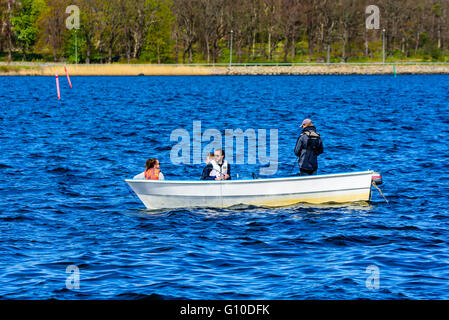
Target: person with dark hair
x,y
208,168
220,169
308,147
153,171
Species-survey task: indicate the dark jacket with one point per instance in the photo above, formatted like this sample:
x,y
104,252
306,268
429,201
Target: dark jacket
x,y
206,172
208,168
308,147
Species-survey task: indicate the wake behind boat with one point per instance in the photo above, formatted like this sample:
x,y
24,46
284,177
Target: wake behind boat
x,y
273,192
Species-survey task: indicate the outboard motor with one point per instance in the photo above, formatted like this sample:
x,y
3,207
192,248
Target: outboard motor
x,y
377,178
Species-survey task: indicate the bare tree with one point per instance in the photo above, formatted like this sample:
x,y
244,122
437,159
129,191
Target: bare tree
x,y
272,19
6,13
201,29
186,16
291,20
327,19
89,24
351,16
211,16
139,15
52,22
113,20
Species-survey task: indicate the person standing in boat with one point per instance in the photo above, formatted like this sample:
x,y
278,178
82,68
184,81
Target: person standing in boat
x,y
153,170
308,147
218,168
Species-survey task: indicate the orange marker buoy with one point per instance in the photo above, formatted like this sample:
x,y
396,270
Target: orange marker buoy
x,y
68,78
57,87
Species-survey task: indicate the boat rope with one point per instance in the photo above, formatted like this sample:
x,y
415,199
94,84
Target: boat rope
x,y
380,191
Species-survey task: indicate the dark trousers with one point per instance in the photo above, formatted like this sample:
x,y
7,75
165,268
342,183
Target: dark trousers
x,y
304,172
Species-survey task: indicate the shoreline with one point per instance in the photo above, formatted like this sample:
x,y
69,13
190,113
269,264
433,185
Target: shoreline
x,y
33,69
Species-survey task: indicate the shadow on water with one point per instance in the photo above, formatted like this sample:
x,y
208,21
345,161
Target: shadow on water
x,y
239,208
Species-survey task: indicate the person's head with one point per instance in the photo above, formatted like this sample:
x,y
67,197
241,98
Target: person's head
x,y
210,156
152,163
219,155
306,123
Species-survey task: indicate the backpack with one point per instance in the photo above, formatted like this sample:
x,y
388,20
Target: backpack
x,y
313,141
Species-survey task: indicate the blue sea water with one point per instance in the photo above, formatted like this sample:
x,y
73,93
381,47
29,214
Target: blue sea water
x,y
63,200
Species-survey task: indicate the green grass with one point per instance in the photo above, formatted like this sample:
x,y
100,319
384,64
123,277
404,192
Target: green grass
x,y
12,69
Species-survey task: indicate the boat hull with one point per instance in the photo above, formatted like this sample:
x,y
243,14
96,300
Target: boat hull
x,y
335,188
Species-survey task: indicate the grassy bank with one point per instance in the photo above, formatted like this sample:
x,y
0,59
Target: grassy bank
x,y
102,69
16,70
139,69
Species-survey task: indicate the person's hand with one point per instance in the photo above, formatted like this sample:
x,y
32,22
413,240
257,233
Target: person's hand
x,y
226,176
217,178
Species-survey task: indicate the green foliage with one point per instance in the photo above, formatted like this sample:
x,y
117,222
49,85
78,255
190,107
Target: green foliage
x,y
24,22
435,53
158,45
437,9
144,31
69,46
12,69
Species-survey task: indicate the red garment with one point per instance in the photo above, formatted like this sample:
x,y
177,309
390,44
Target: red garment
x,y
152,174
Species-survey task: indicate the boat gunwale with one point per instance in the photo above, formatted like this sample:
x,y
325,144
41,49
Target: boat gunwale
x,y
345,174
258,195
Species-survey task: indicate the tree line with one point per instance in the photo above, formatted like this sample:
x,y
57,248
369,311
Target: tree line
x,y
192,31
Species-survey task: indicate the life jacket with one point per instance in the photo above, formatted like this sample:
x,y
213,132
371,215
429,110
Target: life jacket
x,y
152,174
218,171
313,141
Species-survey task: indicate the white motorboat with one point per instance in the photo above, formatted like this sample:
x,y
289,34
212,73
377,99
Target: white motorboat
x,y
273,192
